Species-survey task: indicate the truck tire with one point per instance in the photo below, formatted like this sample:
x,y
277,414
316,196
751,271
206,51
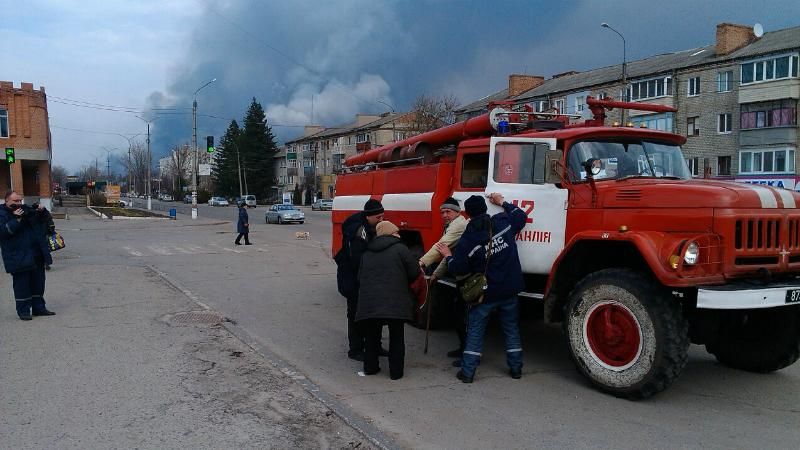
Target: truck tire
x,y
762,340
625,333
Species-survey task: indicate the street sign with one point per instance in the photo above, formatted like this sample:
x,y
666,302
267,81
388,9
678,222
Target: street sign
x,y
204,169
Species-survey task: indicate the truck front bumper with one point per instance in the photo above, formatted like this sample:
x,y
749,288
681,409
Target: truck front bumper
x,y
749,296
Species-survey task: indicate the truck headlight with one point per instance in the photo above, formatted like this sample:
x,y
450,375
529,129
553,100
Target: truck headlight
x,y
692,253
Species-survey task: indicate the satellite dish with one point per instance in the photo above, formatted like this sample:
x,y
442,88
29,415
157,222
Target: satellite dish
x,y
758,30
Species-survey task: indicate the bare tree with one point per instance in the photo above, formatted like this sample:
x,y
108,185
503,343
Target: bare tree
x,y
180,165
138,166
432,112
59,175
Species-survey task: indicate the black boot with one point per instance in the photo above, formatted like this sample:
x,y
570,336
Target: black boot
x,y
355,340
24,309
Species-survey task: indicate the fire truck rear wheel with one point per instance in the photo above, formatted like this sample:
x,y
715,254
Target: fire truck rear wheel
x,y
625,333
761,341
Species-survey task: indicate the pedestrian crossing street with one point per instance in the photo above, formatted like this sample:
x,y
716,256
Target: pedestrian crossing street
x,y
191,249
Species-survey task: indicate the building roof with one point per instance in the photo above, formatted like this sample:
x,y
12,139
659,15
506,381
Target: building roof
x,y
481,103
348,128
771,42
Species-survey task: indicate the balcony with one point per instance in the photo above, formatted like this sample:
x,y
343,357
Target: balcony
x,y
770,90
363,146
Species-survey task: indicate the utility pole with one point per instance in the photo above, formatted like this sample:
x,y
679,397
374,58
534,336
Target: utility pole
x,y
624,64
195,163
238,169
149,165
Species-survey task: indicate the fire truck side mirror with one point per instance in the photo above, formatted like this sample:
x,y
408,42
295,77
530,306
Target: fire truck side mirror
x,y
554,169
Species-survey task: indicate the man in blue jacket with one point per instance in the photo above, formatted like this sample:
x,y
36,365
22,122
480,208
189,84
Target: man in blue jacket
x,y
25,253
503,274
243,225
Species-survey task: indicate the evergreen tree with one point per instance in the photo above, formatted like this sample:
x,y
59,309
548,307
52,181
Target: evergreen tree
x,y
224,170
257,149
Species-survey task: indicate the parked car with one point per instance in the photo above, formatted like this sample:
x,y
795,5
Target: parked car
x,y
322,204
284,214
165,198
187,198
249,199
124,203
218,201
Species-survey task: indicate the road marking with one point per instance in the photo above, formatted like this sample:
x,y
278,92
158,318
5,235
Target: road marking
x,y
158,250
182,250
226,248
133,252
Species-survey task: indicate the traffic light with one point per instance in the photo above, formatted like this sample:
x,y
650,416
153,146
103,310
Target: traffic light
x,y
10,158
210,144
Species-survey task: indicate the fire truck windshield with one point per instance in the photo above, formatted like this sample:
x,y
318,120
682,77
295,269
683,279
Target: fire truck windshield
x,y
626,159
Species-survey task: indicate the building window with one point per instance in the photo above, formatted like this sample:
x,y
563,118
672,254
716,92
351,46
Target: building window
x,y
559,105
773,160
725,81
3,123
399,135
781,113
662,122
724,123
541,106
363,137
723,165
659,87
694,87
580,102
694,166
693,126
283,163
769,69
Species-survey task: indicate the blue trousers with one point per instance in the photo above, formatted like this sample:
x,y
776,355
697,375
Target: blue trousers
x,y
478,317
29,290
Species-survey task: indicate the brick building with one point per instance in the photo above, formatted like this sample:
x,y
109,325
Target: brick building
x,y
25,126
736,101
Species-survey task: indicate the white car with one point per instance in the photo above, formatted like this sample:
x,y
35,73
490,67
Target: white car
x,y
218,201
165,198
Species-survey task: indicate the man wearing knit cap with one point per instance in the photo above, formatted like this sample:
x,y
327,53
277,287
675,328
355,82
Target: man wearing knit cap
x,y
454,225
357,231
492,237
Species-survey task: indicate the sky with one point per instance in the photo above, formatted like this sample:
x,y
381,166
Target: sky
x,y
103,62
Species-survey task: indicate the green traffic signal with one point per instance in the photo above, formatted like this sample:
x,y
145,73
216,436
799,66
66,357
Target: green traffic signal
x,y
10,158
210,144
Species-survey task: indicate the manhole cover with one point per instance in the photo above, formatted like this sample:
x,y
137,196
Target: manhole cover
x,y
197,317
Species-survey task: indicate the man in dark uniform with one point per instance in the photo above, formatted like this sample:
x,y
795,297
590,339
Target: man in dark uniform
x,y
357,231
25,253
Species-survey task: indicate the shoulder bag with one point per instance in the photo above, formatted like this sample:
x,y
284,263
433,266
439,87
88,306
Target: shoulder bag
x,y
55,241
473,288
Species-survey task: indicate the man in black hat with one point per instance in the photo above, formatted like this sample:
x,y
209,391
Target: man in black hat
x,y
454,225
357,231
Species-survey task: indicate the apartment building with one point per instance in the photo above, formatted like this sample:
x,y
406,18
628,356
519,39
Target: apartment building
x,y
313,160
25,127
736,101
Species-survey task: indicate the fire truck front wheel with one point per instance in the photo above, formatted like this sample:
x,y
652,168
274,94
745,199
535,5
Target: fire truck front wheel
x,y
763,340
626,334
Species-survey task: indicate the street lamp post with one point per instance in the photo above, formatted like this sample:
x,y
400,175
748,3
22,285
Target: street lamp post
x,y
624,64
149,165
195,165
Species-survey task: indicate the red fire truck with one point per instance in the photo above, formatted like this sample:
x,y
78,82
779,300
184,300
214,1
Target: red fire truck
x,y
622,246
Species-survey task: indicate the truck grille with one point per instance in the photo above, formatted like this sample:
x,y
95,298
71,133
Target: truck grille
x,y
771,241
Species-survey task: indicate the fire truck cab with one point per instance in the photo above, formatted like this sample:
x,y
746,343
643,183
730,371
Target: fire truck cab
x,y
622,246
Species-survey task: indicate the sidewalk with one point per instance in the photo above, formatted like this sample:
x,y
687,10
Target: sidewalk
x,y
115,369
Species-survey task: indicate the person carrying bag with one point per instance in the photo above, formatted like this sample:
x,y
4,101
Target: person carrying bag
x,y
488,245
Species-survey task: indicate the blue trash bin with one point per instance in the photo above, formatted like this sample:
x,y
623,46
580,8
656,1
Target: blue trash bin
x,y
173,213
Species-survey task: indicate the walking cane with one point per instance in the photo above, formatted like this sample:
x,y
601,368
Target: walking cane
x,y
428,321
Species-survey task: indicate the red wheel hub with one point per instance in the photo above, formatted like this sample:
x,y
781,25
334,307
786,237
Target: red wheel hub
x,y
613,334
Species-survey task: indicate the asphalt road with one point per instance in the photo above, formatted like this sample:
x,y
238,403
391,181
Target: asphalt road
x,y
283,292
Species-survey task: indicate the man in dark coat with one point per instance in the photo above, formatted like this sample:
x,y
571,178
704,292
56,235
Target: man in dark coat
x,y
385,298
357,231
25,253
243,226
503,274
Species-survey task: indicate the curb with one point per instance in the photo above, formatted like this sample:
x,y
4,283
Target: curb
x,y
369,431
138,218
97,213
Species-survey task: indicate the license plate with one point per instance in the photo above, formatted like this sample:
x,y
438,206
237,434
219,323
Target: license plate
x,y
793,296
